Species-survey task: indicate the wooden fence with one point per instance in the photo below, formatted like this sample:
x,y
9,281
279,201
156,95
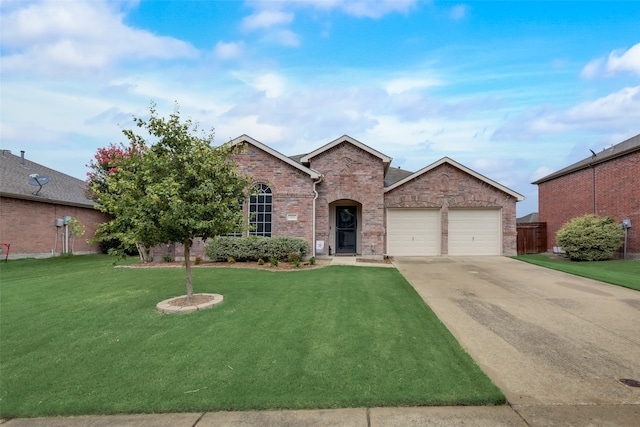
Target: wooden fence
x,y
532,237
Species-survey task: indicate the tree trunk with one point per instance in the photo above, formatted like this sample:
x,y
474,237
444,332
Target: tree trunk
x,y
187,263
145,253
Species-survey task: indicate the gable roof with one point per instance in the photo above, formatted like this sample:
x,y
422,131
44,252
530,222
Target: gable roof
x,y
246,138
61,189
346,138
625,147
519,197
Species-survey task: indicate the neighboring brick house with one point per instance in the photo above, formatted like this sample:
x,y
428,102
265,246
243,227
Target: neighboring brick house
x,y
28,214
345,198
605,184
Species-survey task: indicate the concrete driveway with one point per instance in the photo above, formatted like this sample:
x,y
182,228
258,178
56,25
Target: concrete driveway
x,y
544,337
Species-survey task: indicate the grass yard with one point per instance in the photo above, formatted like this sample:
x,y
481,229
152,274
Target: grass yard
x,y
618,272
79,336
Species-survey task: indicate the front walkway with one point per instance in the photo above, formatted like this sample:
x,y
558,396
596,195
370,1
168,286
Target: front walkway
x,y
353,260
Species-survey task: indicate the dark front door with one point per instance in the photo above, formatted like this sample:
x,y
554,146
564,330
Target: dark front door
x,y
346,229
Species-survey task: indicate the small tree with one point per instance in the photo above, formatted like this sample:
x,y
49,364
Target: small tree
x,y
76,228
180,188
590,238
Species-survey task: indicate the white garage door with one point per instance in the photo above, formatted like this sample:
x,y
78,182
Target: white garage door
x,y
475,232
413,232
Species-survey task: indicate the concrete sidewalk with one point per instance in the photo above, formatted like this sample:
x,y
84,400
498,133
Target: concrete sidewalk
x,y
555,344
477,416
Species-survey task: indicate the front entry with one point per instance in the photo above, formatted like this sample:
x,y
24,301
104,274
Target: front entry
x,y
346,228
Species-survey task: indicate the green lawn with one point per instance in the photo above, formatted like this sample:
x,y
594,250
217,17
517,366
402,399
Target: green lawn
x,y
81,337
618,272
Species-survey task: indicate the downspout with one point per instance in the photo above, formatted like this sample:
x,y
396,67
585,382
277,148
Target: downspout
x,y
313,215
593,173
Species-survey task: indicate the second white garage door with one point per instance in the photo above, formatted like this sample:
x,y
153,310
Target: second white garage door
x,y
413,232
475,232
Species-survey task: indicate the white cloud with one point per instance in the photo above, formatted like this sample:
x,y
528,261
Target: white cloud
x,y
52,38
266,19
541,172
373,9
619,61
615,112
625,61
271,84
284,37
403,84
228,50
458,12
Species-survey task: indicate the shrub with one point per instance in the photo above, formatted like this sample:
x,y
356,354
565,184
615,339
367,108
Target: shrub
x,y
167,259
260,261
293,257
590,238
197,260
252,248
274,262
231,260
312,260
108,246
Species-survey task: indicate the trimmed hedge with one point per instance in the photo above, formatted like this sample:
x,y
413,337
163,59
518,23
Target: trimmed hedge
x,y
590,238
253,248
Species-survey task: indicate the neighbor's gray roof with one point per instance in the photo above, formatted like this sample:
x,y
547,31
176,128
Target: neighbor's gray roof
x,y
532,217
621,149
61,189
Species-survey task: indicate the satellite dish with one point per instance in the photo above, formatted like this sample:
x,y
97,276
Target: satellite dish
x,y
38,181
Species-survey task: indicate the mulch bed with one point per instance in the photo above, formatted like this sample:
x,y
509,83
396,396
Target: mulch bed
x,y
282,266
195,300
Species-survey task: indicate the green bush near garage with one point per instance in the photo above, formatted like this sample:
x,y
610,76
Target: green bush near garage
x,y
590,238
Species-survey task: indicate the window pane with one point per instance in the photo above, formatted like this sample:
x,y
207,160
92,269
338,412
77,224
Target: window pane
x,y
260,208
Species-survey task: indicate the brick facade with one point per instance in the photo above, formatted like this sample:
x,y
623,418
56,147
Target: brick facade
x,y
351,177
447,187
610,188
292,191
346,173
29,226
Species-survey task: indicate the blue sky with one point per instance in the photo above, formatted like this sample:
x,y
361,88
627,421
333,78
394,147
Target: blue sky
x,y
512,90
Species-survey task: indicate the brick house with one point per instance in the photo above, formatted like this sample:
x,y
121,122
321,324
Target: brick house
x,y
605,184
345,198
28,213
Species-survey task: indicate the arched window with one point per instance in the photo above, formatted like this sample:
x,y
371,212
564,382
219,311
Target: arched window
x,y
260,208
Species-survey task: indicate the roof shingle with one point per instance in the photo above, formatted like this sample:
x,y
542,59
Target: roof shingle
x,y
630,145
61,188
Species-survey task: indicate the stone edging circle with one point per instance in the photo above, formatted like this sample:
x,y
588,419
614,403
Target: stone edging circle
x,y
166,306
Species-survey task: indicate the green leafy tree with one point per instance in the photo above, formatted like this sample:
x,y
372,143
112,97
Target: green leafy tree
x,y
590,238
114,176
179,188
76,228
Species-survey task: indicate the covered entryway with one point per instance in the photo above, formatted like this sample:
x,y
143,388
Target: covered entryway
x,y
346,229
475,232
413,232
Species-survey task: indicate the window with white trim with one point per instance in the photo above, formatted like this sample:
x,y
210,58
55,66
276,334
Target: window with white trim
x,y
260,209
